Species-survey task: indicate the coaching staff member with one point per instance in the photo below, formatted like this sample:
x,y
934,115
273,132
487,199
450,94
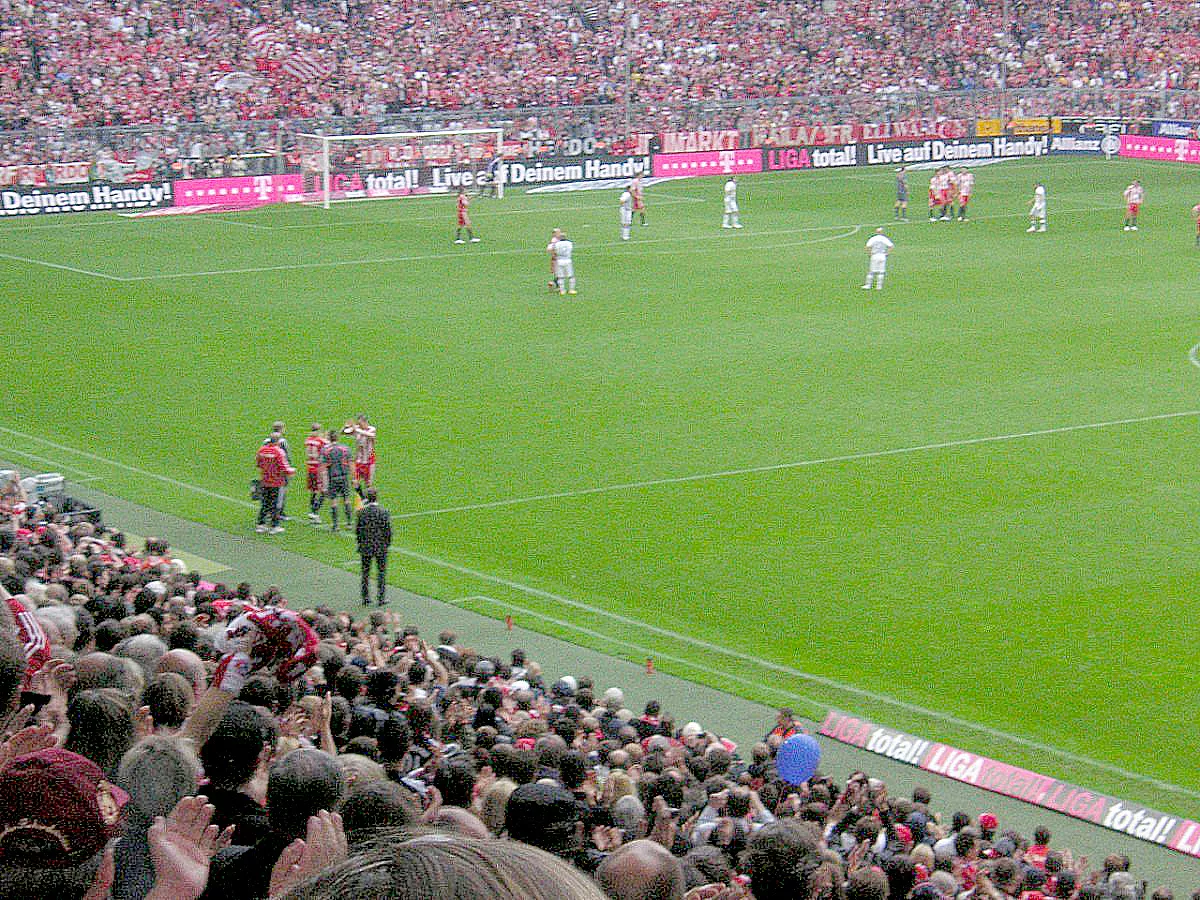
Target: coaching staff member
x,y
374,533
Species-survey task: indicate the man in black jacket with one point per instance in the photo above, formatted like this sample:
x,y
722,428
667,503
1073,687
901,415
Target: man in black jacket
x,y
374,533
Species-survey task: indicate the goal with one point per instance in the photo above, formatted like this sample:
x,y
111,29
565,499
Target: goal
x,y
349,167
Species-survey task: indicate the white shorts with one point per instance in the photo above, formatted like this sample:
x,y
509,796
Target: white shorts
x,y
564,268
878,265
1039,209
730,207
626,217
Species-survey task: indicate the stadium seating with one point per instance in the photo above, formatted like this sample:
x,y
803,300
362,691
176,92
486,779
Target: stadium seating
x,y
429,734
203,72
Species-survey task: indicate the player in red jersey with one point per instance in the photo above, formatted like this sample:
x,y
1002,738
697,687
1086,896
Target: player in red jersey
x,y
946,193
464,220
1134,195
639,201
1196,213
935,183
314,446
966,184
364,452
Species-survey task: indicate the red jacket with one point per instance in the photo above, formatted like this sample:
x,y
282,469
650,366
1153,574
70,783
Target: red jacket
x,y
273,465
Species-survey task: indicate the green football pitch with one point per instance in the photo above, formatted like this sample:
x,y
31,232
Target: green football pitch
x,y
965,505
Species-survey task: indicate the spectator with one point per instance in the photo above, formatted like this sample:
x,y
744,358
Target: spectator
x,y
641,870
302,784
156,774
236,760
85,815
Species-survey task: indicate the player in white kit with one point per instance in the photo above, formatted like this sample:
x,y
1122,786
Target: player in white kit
x,y
564,268
879,247
626,213
731,219
1037,212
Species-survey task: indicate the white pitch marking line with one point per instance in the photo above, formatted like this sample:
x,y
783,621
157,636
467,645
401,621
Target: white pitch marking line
x,y
648,651
884,699
201,217
61,267
1194,356
128,468
799,464
58,464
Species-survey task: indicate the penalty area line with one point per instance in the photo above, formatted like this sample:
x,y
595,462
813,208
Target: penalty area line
x,y
60,267
797,464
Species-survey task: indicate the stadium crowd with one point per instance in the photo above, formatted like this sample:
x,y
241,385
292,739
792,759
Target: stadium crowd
x,y
186,739
209,72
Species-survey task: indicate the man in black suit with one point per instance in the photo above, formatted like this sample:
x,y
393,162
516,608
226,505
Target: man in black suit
x,y
374,533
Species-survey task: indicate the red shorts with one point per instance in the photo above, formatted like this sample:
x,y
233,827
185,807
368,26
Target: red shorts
x,y
316,481
964,199
1132,208
943,198
638,205
365,471
464,221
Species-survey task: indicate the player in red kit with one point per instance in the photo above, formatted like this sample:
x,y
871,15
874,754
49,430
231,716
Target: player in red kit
x,y
1134,195
966,184
464,220
314,447
946,193
639,201
363,433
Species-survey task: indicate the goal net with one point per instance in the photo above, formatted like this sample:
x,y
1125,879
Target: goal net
x,y
350,167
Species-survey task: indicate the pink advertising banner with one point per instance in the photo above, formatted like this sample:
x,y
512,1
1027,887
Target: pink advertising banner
x,y
708,162
238,193
1141,146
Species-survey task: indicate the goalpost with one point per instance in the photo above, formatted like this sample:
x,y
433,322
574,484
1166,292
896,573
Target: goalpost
x,y
342,168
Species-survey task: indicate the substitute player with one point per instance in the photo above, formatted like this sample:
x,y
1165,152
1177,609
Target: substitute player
x,y
564,267
626,212
1037,211
314,464
639,199
901,207
464,219
552,284
731,219
966,185
364,452
878,246
1134,195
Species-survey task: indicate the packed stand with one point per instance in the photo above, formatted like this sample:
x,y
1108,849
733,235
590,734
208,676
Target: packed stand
x,y
184,739
68,64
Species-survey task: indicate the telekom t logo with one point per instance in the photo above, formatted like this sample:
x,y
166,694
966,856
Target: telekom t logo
x,y
264,188
727,160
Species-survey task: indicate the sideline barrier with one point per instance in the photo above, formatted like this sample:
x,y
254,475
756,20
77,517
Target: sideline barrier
x,y
1163,829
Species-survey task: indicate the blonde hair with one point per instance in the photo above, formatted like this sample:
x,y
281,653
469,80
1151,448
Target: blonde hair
x,y
493,803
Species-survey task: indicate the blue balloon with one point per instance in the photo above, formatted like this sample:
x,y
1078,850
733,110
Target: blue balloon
x,y
798,758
